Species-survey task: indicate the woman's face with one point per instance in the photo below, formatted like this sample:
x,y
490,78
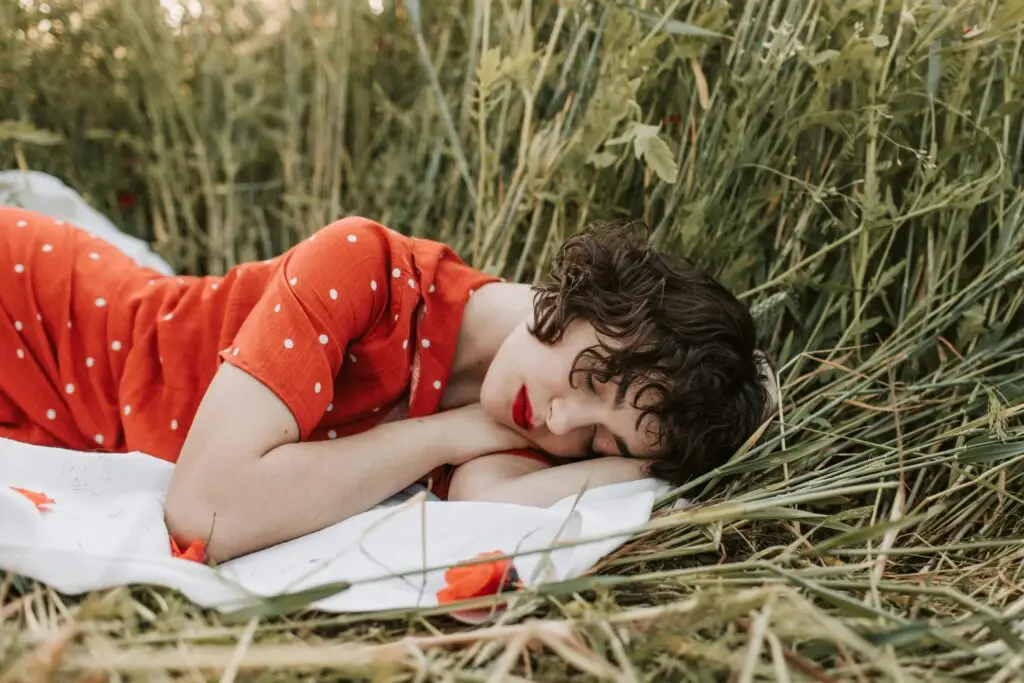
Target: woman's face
x,y
527,388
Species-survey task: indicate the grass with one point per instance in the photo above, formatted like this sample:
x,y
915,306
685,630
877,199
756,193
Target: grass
x,y
853,169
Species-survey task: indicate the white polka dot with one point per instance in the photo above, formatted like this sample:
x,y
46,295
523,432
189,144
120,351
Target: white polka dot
x,y
127,411
351,238
99,439
214,286
330,407
323,338
377,409
397,272
174,425
151,282
437,384
69,388
288,343
169,316
90,361
22,224
316,388
396,317
405,343
47,248
39,317
234,351
94,256
277,308
412,283
19,268
20,353
471,292
432,289
352,357
58,222
51,414
333,294
69,324
294,281
101,302
332,434
425,343
18,326
373,285
116,345
160,359
181,280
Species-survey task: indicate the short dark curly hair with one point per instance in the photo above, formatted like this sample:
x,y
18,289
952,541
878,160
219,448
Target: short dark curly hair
x,y
672,329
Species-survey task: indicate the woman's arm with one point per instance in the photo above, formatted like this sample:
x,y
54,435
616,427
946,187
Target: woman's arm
x,y
242,482
512,479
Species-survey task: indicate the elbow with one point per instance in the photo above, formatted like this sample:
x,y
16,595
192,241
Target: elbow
x,y
192,515
187,515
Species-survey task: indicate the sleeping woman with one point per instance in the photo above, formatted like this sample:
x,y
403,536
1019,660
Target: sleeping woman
x,y
296,392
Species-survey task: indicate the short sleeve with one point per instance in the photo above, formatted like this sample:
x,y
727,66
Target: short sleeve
x,y
328,291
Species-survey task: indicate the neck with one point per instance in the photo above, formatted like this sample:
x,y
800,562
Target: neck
x,y
489,317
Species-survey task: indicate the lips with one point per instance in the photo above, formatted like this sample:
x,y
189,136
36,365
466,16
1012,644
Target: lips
x,y
522,411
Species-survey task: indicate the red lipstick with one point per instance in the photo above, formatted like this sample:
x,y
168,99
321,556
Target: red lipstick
x,y
522,411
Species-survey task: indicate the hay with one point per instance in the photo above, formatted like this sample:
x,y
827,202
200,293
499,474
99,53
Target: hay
x,y
853,168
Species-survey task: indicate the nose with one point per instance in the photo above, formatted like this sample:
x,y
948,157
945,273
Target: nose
x,y
565,416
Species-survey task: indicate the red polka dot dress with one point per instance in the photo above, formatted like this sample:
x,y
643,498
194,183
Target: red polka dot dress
x,y
102,354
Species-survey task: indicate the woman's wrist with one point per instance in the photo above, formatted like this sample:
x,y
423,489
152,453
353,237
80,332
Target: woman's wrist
x,y
471,432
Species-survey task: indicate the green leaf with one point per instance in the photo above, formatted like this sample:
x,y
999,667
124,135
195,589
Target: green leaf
x,y
864,534
677,28
655,152
287,603
602,159
820,58
623,139
990,452
862,327
26,133
569,586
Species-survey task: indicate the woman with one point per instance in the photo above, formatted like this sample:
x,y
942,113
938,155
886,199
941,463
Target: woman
x,y
295,392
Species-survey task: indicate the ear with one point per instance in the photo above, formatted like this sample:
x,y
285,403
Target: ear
x,y
771,383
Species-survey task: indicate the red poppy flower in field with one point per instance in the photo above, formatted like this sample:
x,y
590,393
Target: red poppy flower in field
x,y
465,581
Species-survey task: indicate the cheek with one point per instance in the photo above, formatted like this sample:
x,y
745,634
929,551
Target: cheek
x,y
506,367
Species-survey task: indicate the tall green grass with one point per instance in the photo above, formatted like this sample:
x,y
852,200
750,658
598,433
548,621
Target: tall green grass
x,y
853,169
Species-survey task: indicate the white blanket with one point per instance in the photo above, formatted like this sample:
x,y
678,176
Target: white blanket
x,y
106,529
45,194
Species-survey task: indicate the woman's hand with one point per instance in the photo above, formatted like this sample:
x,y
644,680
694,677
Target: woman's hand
x,y
472,424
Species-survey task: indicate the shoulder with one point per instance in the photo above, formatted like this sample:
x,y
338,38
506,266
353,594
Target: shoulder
x,y
353,233
352,244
